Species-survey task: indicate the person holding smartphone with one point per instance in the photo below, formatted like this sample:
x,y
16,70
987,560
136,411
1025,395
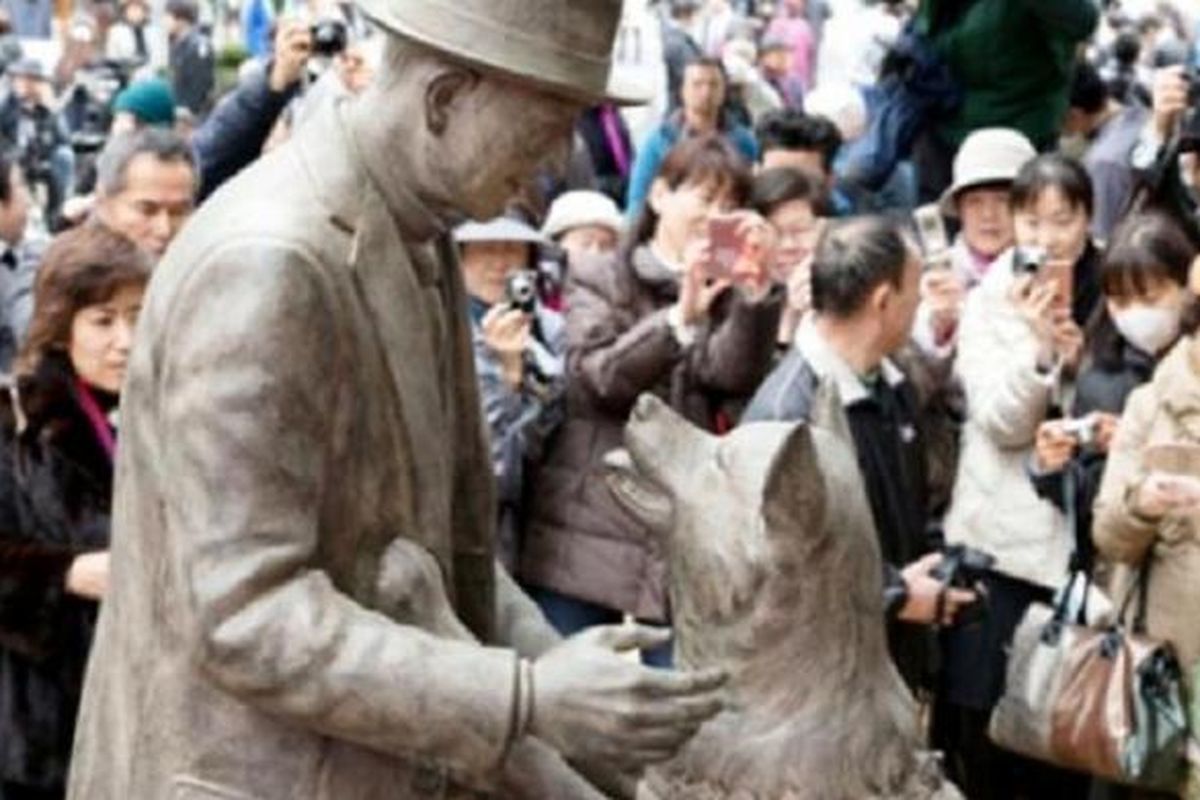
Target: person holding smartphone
x,y
662,316
1148,510
1020,346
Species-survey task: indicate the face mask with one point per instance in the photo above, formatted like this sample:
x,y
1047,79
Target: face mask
x,y
1150,329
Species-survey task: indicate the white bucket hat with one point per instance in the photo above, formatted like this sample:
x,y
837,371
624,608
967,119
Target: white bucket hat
x,y
989,155
500,229
579,208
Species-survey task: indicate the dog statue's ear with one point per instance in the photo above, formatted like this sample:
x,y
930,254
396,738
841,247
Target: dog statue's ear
x,y
828,413
794,494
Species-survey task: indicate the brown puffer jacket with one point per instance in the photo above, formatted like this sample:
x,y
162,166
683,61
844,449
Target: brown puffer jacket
x,y
579,541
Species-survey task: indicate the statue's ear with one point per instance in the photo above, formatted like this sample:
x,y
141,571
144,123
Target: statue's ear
x,y
828,413
794,494
441,94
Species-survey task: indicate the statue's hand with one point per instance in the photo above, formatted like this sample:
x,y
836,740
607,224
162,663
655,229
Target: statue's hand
x,y
595,705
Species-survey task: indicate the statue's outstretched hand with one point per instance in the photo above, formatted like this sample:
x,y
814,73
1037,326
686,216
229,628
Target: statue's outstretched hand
x,y
593,704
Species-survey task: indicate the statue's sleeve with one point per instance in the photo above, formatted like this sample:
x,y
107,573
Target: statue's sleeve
x,y
251,370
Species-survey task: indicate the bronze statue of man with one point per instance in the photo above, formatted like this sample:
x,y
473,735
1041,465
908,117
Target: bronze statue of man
x,y
305,602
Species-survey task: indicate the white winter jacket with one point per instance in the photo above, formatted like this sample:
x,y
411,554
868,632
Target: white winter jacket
x,y
994,507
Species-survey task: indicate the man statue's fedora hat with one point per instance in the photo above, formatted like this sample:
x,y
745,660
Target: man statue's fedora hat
x,y
562,46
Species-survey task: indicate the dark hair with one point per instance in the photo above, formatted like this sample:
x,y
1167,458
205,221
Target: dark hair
x,y
1126,48
1088,92
1053,170
697,160
781,185
82,267
1145,247
790,129
853,258
185,10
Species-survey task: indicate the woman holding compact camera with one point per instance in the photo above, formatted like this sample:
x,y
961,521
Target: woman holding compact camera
x,y
1021,343
659,317
519,346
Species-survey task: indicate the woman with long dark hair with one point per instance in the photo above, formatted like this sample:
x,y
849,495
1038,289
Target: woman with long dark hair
x,y
58,432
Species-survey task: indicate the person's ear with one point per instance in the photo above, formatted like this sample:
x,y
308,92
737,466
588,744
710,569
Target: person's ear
x,y
1194,277
881,297
659,191
442,93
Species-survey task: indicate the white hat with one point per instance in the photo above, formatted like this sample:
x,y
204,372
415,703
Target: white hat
x,y
989,155
500,229
579,208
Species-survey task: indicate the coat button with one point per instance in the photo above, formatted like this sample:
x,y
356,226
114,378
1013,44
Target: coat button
x,y
429,780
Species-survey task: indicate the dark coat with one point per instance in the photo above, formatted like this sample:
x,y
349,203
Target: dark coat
x,y
580,542
884,425
55,487
192,70
233,135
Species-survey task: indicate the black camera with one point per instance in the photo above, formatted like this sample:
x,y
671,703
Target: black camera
x,y
1028,260
520,291
329,37
964,567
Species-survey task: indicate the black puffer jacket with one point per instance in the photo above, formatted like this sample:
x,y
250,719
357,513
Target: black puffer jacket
x,y
55,488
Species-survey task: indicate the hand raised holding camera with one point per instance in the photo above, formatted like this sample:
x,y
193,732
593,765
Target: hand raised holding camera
x,y
1169,99
697,288
293,46
930,601
1054,446
506,332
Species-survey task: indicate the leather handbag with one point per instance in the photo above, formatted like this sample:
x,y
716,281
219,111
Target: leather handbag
x,y
1106,700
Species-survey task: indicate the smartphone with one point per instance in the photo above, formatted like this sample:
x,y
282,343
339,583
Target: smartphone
x,y
727,243
1173,458
935,242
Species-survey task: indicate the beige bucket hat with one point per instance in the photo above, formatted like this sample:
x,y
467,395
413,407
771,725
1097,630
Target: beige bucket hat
x,y
987,156
563,46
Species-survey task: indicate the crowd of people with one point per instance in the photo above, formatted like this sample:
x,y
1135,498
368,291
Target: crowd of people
x,y
1005,301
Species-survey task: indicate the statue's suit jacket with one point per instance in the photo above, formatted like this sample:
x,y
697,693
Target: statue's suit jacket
x,y
303,509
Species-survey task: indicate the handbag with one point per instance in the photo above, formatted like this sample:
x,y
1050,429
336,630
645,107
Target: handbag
x,y
1106,700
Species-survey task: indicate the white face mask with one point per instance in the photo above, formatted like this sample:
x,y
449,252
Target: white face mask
x,y
1150,329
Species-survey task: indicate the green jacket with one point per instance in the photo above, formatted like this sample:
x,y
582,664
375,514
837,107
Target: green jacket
x,y
1013,59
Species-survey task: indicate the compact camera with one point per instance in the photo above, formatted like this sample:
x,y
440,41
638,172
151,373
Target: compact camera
x,y
329,37
1028,260
1082,430
521,291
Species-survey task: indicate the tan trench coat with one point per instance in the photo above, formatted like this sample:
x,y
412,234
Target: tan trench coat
x,y
301,466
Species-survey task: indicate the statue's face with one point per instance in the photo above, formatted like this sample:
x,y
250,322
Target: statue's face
x,y
497,138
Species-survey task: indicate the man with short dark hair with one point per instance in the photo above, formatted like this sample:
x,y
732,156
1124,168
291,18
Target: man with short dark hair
x,y
791,138
703,98
1111,131
191,57
146,187
865,290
